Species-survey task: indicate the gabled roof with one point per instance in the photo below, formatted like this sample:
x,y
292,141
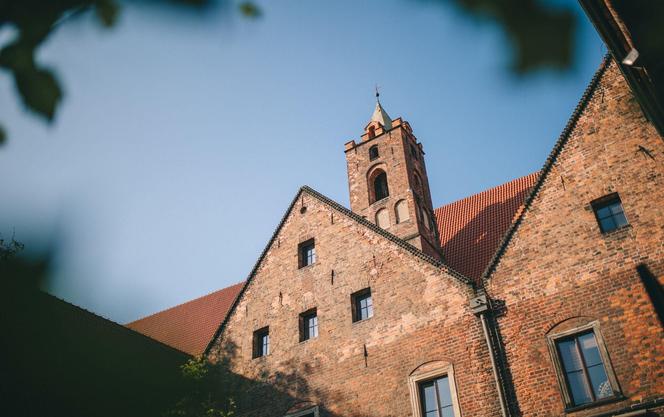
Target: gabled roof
x,y
189,327
471,229
550,161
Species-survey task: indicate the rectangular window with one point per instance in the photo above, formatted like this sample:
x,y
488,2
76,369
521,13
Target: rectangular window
x,y
609,213
261,342
307,253
436,398
308,325
584,372
362,305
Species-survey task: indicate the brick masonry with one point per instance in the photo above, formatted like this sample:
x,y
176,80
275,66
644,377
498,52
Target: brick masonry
x,y
556,272
559,270
421,316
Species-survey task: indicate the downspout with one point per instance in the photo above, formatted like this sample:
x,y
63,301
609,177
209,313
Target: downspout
x,y
480,307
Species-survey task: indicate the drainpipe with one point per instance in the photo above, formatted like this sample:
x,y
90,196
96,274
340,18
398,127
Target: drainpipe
x,y
480,307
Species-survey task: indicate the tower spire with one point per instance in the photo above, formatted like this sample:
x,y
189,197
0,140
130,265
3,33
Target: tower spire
x,y
380,115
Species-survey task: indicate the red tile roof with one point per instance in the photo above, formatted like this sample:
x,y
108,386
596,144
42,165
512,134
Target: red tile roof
x,y
189,327
471,229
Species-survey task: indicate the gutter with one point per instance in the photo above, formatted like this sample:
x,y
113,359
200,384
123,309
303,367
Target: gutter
x,y
481,307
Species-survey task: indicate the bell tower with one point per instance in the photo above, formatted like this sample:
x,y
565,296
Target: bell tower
x,y
388,181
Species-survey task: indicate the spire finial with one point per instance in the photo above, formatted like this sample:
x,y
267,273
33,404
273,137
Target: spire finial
x,y
377,94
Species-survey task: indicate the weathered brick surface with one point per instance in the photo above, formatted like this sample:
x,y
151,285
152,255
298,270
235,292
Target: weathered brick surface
x,y
560,270
420,315
397,160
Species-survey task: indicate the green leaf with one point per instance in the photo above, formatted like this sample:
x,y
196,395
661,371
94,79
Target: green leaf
x,y
107,12
249,9
40,90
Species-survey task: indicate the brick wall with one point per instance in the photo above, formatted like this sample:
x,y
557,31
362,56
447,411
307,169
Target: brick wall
x,y
560,269
420,316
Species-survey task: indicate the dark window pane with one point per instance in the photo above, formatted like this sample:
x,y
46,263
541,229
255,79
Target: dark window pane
x,y
615,208
578,388
380,187
444,392
603,212
620,219
373,152
599,381
607,224
570,356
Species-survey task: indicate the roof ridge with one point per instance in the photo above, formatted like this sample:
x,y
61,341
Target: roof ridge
x,y
305,188
548,164
114,323
489,190
183,303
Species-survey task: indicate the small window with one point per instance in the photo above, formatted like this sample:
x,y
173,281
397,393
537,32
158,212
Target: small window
x,y
373,153
436,398
307,253
584,372
362,305
609,213
380,187
308,325
262,342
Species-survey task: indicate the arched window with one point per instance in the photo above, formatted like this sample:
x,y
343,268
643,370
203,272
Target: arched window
x,y
380,186
418,182
373,152
383,218
425,219
372,132
401,211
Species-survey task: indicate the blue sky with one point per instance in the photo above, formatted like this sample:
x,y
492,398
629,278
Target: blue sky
x,y
183,137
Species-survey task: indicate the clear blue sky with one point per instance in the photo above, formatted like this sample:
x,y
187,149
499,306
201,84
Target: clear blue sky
x,y
182,138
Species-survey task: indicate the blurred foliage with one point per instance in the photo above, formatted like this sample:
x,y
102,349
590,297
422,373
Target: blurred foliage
x,y
9,249
35,20
542,37
202,398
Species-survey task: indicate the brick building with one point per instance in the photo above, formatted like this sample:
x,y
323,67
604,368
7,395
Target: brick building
x,y
540,297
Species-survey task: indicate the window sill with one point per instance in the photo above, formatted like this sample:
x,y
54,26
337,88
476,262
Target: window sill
x,y
614,399
362,321
381,201
306,267
618,233
302,342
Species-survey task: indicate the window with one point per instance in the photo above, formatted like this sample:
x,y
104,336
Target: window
x,y
362,305
261,342
372,132
432,390
308,325
584,372
307,253
435,398
609,213
373,152
380,187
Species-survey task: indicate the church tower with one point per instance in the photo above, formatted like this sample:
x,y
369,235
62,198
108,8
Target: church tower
x,y
388,181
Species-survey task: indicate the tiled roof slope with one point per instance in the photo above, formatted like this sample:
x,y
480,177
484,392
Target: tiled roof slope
x,y
471,229
189,327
